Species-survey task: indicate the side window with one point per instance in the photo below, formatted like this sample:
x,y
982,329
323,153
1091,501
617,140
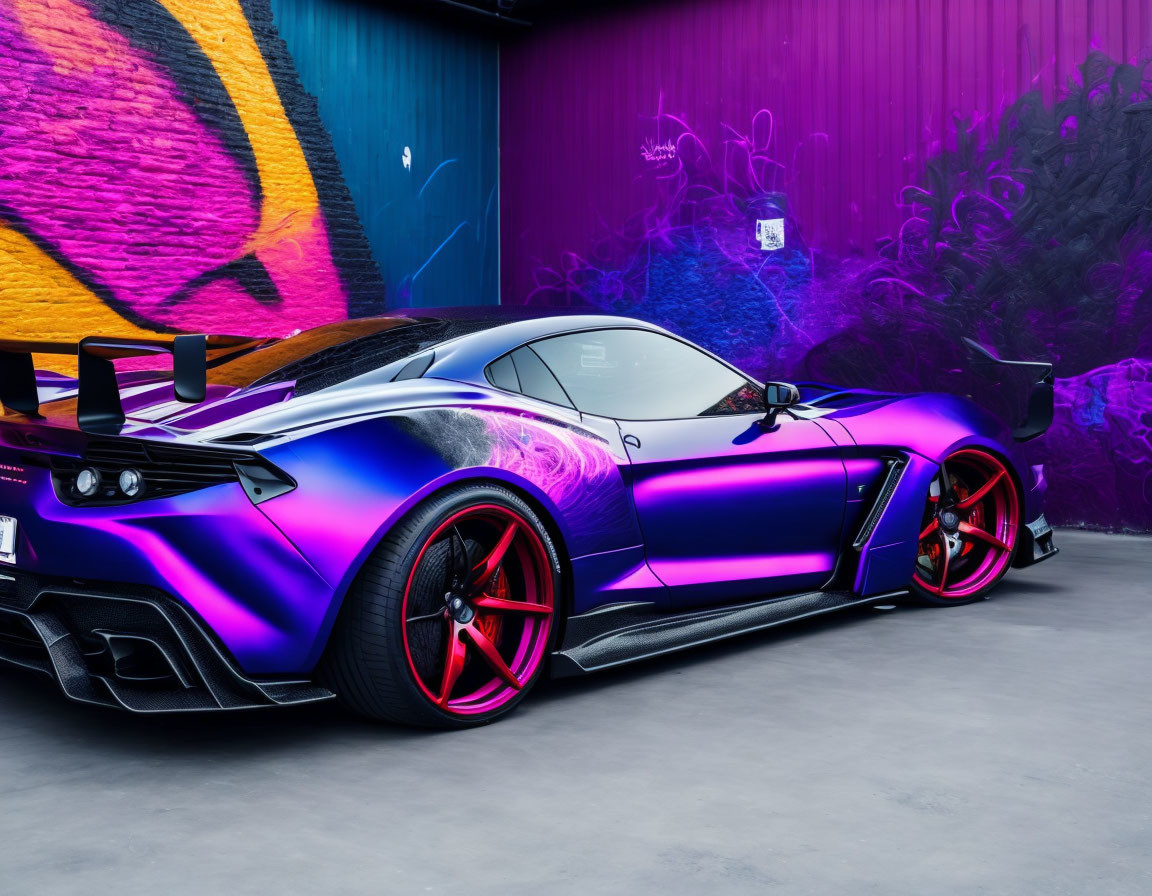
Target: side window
x,y
523,371
502,374
641,375
536,379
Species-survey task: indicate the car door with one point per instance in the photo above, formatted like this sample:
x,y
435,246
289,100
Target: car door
x,y
728,510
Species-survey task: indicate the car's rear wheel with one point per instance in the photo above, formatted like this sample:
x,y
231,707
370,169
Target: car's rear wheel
x,y
968,531
451,619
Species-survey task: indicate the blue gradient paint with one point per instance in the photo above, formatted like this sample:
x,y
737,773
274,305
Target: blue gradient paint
x,y
673,512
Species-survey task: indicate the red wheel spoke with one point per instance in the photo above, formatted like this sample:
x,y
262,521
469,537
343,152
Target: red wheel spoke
x,y
980,535
492,656
453,664
943,564
499,604
486,568
932,527
470,658
977,496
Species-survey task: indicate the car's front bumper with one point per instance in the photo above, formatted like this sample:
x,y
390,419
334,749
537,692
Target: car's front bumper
x,y
124,646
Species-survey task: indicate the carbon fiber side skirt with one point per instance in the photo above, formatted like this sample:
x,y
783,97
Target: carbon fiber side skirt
x,y
624,633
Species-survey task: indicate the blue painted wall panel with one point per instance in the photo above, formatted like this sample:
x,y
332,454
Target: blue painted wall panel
x,y
385,81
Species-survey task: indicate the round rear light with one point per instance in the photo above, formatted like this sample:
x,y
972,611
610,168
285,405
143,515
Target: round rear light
x,y
88,482
131,483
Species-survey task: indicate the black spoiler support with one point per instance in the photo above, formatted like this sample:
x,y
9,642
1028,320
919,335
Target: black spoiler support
x,y
98,400
1041,398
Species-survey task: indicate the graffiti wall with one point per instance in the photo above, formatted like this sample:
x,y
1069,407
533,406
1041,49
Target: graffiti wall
x,y
410,101
161,168
840,192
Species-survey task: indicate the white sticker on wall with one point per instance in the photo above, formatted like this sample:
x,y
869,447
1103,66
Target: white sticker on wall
x,y
652,151
406,158
770,233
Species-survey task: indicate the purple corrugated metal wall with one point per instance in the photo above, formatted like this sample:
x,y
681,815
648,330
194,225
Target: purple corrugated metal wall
x,y
735,170
862,93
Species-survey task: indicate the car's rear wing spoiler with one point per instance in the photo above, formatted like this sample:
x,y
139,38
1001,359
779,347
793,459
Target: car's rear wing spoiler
x,y
1040,400
98,397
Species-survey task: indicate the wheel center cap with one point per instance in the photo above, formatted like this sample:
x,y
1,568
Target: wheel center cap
x,y
949,519
460,610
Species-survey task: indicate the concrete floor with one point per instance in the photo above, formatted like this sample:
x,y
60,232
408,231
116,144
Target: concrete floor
x,y
996,748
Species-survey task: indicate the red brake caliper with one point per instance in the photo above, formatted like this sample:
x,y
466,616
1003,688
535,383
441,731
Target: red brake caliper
x,y
492,624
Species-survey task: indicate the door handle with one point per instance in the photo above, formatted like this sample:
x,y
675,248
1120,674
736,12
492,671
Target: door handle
x,y
631,441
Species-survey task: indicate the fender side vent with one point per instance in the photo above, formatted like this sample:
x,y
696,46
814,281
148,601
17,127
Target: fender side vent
x,y
896,467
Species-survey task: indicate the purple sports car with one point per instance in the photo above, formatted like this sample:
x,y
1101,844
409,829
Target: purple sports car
x,y
419,514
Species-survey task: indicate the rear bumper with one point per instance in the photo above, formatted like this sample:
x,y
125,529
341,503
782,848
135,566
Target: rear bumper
x,y
211,549
130,647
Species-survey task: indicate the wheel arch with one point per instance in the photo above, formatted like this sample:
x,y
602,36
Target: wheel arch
x,y
539,503
998,451
548,519
891,548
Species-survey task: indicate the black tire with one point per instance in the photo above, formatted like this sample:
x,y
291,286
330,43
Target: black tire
x,y
366,660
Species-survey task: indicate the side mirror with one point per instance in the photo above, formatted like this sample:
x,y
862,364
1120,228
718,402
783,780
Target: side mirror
x,y
778,397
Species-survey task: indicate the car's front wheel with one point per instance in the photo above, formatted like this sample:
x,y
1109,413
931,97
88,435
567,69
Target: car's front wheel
x,y
451,619
968,531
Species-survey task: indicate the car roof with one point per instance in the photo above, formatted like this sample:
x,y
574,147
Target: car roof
x,y
465,358
462,341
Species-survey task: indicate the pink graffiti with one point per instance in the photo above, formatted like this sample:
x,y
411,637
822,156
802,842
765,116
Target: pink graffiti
x,y
567,466
106,165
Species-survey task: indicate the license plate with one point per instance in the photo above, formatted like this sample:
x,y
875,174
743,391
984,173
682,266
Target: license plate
x,y
7,539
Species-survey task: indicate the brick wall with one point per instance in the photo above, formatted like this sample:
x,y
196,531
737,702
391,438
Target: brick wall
x,y
161,169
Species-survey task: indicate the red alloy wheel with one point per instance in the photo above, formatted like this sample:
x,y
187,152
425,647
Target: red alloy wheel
x,y
969,528
478,610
